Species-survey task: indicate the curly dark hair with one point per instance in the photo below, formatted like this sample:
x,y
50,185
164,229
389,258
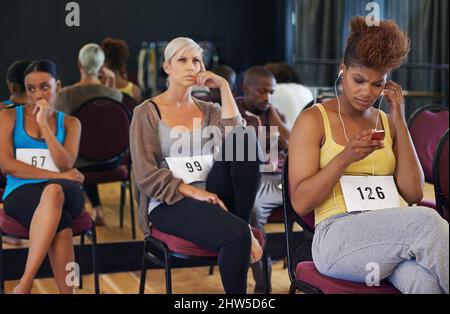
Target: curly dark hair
x,y
383,48
116,53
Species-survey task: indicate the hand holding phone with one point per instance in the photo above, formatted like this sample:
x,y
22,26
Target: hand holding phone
x,y
378,135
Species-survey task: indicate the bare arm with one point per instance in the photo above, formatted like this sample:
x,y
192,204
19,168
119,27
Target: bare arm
x,y
211,80
408,174
279,120
65,155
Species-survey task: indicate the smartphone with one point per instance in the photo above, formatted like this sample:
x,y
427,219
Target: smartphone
x,y
378,135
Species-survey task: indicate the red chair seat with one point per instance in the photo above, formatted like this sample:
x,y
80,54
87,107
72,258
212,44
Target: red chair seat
x,y
308,273
10,226
182,246
114,175
428,203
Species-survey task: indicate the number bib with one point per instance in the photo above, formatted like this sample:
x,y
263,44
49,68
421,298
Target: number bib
x,y
369,192
191,168
39,158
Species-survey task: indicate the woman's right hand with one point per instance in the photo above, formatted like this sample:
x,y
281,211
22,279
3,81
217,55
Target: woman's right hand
x,y
201,195
360,146
72,175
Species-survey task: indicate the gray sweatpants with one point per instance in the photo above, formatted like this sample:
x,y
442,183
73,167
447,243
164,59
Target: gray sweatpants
x,y
409,246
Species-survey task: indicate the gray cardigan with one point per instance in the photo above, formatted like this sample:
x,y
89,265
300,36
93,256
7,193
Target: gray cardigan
x,y
150,181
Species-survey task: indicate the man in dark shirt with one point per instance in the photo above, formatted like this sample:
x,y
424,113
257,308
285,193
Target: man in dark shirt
x,y
255,107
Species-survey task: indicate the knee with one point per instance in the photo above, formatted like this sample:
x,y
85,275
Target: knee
x,y
64,234
54,191
239,233
422,285
431,220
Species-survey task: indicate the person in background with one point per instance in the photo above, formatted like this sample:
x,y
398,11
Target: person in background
x,y
18,97
16,87
117,53
290,96
91,65
227,73
257,109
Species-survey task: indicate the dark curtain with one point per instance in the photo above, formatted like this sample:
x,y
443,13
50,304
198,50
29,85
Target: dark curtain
x,y
322,28
426,22
319,36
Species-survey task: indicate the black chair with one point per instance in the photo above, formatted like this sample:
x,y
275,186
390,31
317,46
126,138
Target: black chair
x,y
160,248
440,177
304,276
83,226
105,138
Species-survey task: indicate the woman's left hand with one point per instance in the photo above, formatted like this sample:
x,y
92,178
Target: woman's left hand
x,y
211,80
43,112
394,96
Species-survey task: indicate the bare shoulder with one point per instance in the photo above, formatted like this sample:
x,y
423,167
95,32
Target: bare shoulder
x,y
308,119
7,116
72,122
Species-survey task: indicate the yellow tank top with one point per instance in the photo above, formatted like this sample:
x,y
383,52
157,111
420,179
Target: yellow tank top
x,y
380,163
128,89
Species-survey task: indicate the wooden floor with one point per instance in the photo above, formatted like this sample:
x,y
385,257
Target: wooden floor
x,y
184,280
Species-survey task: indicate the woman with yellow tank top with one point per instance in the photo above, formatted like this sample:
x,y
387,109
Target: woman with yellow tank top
x,y
342,168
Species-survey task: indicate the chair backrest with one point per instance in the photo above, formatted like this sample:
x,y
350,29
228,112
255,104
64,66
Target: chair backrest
x,y
105,129
440,174
129,102
290,216
427,125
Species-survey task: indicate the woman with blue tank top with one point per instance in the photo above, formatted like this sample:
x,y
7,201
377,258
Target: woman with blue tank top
x,y
38,148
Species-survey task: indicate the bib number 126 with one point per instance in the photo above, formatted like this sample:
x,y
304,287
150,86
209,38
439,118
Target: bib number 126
x,y
369,193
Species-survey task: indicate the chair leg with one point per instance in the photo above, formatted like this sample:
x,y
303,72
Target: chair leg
x,y
95,259
133,224
292,289
266,278
81,260
211,269
168,273
122,202
2,281
143,270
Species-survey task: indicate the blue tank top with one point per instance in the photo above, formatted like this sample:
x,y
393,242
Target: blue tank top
x,y
22,140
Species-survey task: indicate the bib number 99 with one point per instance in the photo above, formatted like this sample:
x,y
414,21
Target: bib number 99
x,y
196,164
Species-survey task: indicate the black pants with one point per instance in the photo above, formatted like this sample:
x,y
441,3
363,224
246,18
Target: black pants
x,y
23,201
209,226
92,189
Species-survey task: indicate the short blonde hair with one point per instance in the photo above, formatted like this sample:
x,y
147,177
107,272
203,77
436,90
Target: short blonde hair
x,y
182,45
91,58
